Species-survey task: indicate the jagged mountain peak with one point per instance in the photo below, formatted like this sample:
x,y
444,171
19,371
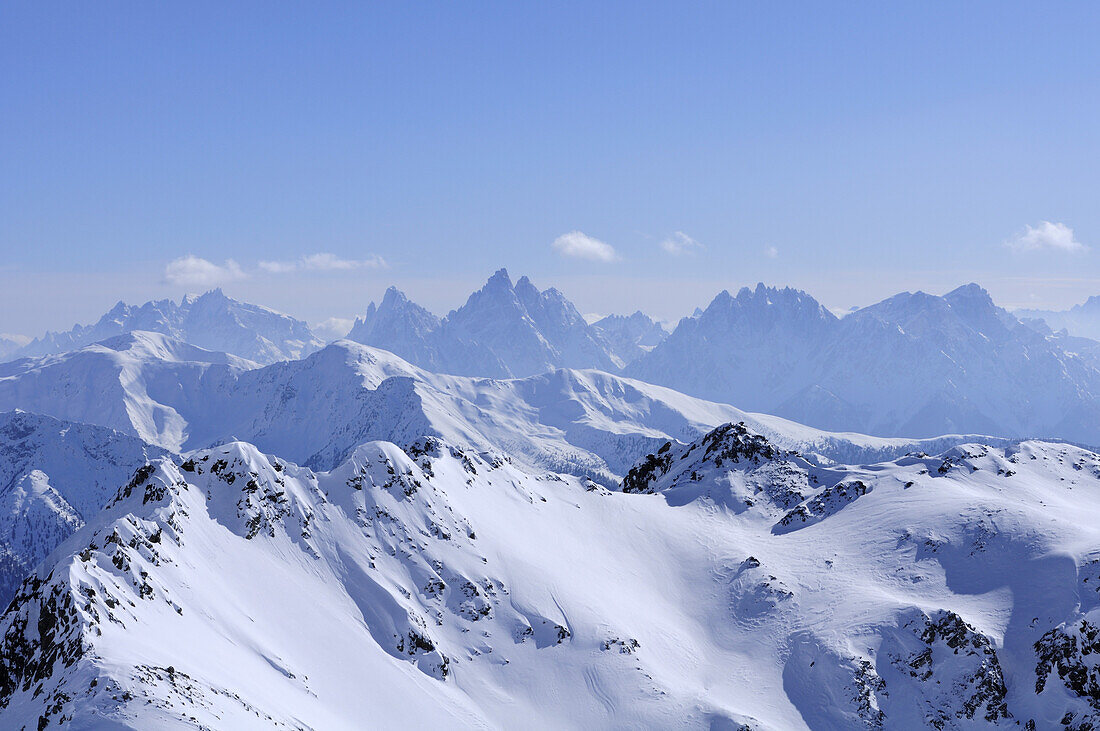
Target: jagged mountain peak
x,y
394,296
503,330
971,291
211,295
966,307
524,283
499,278
764,299
395,303
705,468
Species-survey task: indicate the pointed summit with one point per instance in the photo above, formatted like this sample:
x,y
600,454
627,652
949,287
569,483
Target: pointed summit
x,y
972,293
499,281
400,326
503,330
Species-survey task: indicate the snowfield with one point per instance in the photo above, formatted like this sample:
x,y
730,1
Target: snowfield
x,y
730,584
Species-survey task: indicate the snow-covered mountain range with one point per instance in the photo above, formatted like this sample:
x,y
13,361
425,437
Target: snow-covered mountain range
x,y
315,411
212,321
730,584
914,364
361,540
502,331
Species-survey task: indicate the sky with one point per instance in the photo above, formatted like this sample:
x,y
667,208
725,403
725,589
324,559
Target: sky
x,y
305,156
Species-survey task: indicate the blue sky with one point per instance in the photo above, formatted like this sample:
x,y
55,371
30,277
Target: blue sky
x,y
851,150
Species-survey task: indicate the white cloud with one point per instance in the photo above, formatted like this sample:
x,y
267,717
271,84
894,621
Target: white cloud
x,y
193,271
771,252
278,267
1047,236
333,328
582,246
323,262
680,243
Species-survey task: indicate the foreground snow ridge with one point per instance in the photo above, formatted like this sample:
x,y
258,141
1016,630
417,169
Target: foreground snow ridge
x,y
730,583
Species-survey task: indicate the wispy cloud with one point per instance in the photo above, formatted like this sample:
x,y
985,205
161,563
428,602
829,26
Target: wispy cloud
x,y
679,243
582,246
1047,236
771,252
193,271
322,262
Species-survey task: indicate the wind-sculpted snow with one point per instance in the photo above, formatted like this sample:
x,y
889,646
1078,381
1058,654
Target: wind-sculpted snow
x,y
442,586
211,321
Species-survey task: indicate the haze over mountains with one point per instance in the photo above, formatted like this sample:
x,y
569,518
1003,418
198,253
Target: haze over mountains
x,y
212,321
497,514
914,365
1082,320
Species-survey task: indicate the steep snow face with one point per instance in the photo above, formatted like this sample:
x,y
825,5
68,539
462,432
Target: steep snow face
x,y
914,365
54,475
740,587
212,321
1081,320
630,336
315,411
502,331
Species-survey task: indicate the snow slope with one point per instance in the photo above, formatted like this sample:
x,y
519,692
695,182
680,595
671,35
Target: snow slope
x,y
211,321
316,410
132,383
732,585
54,475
